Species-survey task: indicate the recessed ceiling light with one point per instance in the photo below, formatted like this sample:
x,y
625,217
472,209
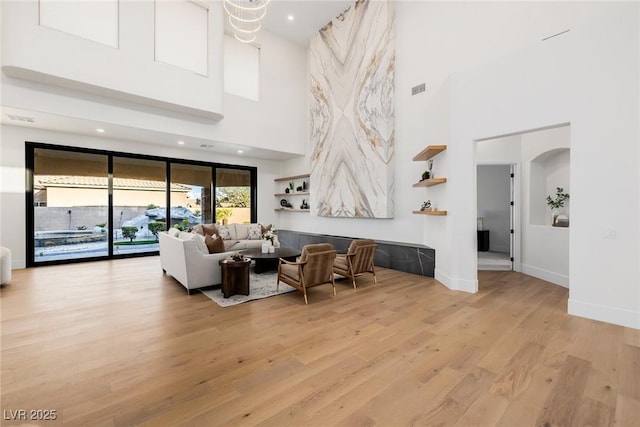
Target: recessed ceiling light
x,y
100,130
290,17
180,142
240,151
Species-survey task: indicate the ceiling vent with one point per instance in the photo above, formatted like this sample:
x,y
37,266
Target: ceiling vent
x,y
21,118
209,146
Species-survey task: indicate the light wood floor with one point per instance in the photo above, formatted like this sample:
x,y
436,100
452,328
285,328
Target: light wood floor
x,y
116,343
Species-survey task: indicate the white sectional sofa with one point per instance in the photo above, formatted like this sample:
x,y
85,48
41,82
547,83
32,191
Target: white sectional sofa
x,y
185,257
237,237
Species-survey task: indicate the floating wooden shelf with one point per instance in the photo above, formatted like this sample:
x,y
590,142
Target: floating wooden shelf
x,y
430,182
438,213
290,210
295,193
429,152
291,178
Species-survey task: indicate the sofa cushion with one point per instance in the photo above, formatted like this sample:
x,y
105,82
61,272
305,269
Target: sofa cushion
x,y
200,243
239,245
242,231
255,232
224,231
231,244
173,232
184,235
215,244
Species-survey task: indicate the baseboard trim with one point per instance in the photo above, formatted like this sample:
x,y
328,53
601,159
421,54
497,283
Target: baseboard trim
x,y
603,313
543,274
470,286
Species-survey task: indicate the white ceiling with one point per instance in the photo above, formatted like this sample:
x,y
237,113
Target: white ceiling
x,y
310,16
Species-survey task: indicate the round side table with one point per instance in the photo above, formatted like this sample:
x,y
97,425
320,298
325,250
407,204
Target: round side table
x,y
235,277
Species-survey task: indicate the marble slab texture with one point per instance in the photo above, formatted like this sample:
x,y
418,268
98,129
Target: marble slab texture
x,y
352,66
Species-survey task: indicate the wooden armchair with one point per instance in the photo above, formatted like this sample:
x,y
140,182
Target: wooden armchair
x,y
315,267
358,259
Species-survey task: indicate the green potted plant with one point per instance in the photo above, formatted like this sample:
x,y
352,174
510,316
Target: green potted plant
x,y
556,204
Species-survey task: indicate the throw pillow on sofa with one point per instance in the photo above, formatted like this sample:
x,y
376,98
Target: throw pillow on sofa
x,y
224,232
255,232
214,244
197,238
204,229
265,228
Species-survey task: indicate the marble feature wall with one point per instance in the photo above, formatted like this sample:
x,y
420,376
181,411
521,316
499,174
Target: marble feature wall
x,y
352,62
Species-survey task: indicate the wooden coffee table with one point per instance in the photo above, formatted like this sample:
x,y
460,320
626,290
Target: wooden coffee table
x,y
235,277
269,261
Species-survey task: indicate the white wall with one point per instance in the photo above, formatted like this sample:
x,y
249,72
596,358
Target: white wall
x,y
276,121
545,249
490,74
591,73
129,71
12,176
494,195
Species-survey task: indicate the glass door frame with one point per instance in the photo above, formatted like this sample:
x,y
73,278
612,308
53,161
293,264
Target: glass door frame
x,y
30,149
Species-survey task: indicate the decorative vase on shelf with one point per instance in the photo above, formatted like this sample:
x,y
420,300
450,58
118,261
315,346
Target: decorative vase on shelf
x,y
559,217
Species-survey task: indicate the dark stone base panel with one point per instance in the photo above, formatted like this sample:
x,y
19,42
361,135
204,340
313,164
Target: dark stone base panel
x,y
407,257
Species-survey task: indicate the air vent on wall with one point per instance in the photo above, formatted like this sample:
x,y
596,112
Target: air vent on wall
x,y
418,89
21,118
209,146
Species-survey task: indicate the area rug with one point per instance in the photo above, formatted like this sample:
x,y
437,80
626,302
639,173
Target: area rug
x,y
260,286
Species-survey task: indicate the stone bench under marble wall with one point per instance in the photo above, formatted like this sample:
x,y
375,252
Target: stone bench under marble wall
x,y
408,257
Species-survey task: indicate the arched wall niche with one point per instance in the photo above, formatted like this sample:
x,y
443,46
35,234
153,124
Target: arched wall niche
x,y
549,170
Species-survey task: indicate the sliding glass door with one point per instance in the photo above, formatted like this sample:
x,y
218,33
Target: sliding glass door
x,y
70,205
190,195
233,196
139,203
86,204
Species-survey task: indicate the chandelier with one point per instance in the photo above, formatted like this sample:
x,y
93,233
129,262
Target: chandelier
x,y
245,17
